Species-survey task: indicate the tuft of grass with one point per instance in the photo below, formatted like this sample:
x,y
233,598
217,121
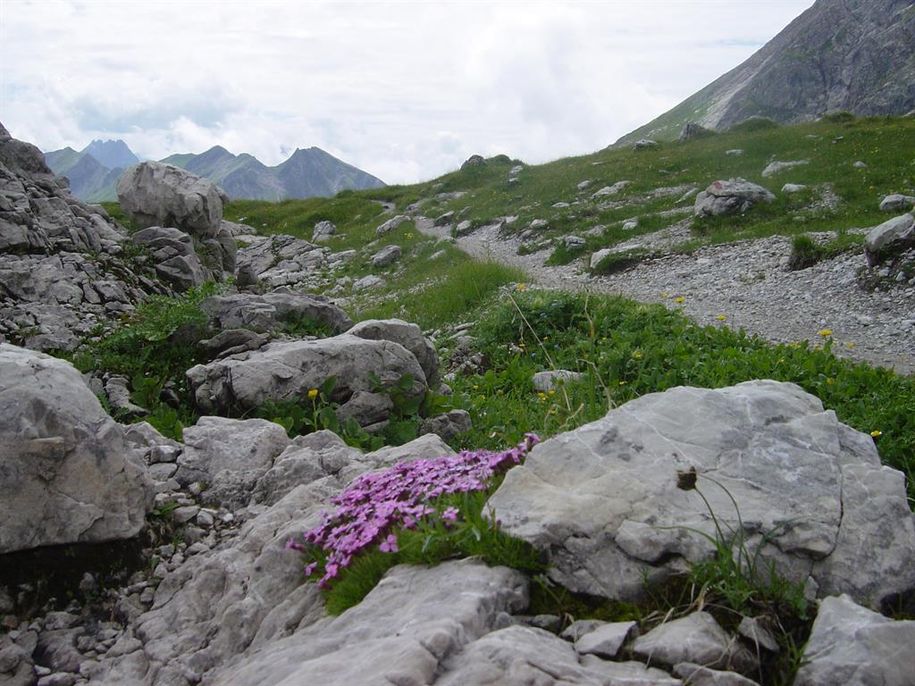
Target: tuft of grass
x,y
804,253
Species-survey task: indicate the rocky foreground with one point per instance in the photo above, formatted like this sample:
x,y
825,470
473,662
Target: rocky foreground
x,y
617,507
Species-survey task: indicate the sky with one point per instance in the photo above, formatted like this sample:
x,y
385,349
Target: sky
x,y
403,90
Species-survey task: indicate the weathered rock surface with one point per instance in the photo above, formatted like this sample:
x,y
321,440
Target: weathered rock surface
x,y
280,260
61,272
854,646
66,473
891,236
157,194
897,202
387,256
406,334
733,196
230,456
274,311
550,380
286,370
391,224
603,501
323,230
777,167
696,638
176,261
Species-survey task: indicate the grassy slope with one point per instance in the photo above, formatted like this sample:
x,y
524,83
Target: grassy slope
x,y
449,289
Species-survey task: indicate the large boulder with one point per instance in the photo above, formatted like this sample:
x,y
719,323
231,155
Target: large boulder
x,y
406,334
287,370
612,503
157,194
892,236
734,196
66,473
274,311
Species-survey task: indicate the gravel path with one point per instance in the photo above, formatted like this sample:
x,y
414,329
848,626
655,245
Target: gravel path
x,y
746,283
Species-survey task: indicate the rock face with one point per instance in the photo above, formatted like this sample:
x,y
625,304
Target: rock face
x,y
66,473
279,261
286,370
603,501
852,645
61,272
734,196
406,334
273,311
837,55
156,194
172,250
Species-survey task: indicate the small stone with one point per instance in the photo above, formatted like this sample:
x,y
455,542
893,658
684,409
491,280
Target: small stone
x,y
205,519
579,628
147,596
551,380
185,514
605,640
859,165
751,629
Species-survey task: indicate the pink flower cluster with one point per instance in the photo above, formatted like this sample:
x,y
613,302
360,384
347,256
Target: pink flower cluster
x,y
377,503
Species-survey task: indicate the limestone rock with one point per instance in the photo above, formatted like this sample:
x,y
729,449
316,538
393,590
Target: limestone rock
x,y
605,640
391,224
774,168
518,656
473,161
854,646
645,144
229,455
691,130
175,259
793,188
406,334
273,311
734,196
603,502
67,474
287,370
552,379
279,260
696,638
448,425
157,194
697,675
323,230
387,256
366,408
369,282
891,236
897,202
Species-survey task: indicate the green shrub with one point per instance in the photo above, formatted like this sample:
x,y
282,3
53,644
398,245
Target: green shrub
x,y
804,253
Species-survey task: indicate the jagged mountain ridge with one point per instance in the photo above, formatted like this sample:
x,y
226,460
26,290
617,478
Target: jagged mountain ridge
x,y
307,173
839,55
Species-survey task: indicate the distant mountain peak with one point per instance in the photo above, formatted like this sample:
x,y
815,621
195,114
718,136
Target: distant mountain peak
x,y
837,55
112,154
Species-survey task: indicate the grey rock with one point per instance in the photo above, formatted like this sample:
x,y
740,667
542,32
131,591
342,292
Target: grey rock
x,y
793,188
233,341
157,194
426,447
644,144
519,656
287,370
758,635
774,168
893,235
58,679
162,471
854,646
464,228
118,392
157,447
572,242
611,190
734,152
473,161
391,224
550,380
897,202
696,638
858,164
697,675
734,196
274,311
67,473
366,408
538,224
369,282
57,650
323,230
606,640
598,256
406,334
387,256
444,219
630,224
579,628
603,502
230,455
448,425
260,261
175,259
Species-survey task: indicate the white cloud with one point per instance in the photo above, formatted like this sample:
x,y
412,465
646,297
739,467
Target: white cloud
x,y
403,90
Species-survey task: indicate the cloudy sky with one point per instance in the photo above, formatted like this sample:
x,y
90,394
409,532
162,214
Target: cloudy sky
x,y
404,90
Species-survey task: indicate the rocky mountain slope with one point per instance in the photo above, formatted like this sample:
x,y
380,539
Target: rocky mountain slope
x,y
839,55
94,172
134,558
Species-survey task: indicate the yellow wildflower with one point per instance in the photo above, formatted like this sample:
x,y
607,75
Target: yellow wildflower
x,y
876,433
541,395
850,345
312,393
721,317
520,287
825,333
679,299
636,354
